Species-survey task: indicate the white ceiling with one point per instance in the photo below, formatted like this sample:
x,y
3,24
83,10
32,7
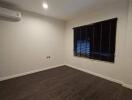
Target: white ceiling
x,y
61,9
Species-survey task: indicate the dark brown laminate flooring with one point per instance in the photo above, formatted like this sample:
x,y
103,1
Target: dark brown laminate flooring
x,y
62,83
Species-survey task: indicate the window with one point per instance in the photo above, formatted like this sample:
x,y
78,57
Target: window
x,y
96,41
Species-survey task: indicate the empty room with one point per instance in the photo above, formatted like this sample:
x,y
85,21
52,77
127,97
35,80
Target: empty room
x,y
65,49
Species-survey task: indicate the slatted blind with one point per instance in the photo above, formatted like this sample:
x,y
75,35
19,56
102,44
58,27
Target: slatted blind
x,y
96,41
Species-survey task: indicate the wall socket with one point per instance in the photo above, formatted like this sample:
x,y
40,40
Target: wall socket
x,y
48,57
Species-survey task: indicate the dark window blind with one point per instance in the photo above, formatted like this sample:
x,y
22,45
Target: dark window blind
x,y
96,41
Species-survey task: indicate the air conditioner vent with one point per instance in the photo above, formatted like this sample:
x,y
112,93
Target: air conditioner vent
x,y
10,14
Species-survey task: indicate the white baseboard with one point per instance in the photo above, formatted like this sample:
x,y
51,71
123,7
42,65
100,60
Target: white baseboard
x,y
26,73
102,76
127,85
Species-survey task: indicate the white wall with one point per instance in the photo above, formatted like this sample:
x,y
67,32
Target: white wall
x,y
121,69
128,67
24,45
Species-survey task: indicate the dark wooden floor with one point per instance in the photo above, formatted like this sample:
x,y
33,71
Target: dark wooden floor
x,y
62,83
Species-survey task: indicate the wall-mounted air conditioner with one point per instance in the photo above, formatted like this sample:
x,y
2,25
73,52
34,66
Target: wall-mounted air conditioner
x,y
10,14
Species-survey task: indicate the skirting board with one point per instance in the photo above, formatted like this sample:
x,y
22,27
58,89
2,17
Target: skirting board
x,y
102,76
26,73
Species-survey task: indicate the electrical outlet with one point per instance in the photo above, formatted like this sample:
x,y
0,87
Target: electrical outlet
x,y
48,57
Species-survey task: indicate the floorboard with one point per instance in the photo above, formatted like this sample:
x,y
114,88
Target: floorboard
x,y
62,83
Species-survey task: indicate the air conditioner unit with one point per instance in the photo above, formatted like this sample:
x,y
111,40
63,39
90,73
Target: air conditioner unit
x,y
10,14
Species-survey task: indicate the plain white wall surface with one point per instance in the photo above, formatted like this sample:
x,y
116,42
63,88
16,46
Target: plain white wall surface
x,y
24,45
128,67
120,70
